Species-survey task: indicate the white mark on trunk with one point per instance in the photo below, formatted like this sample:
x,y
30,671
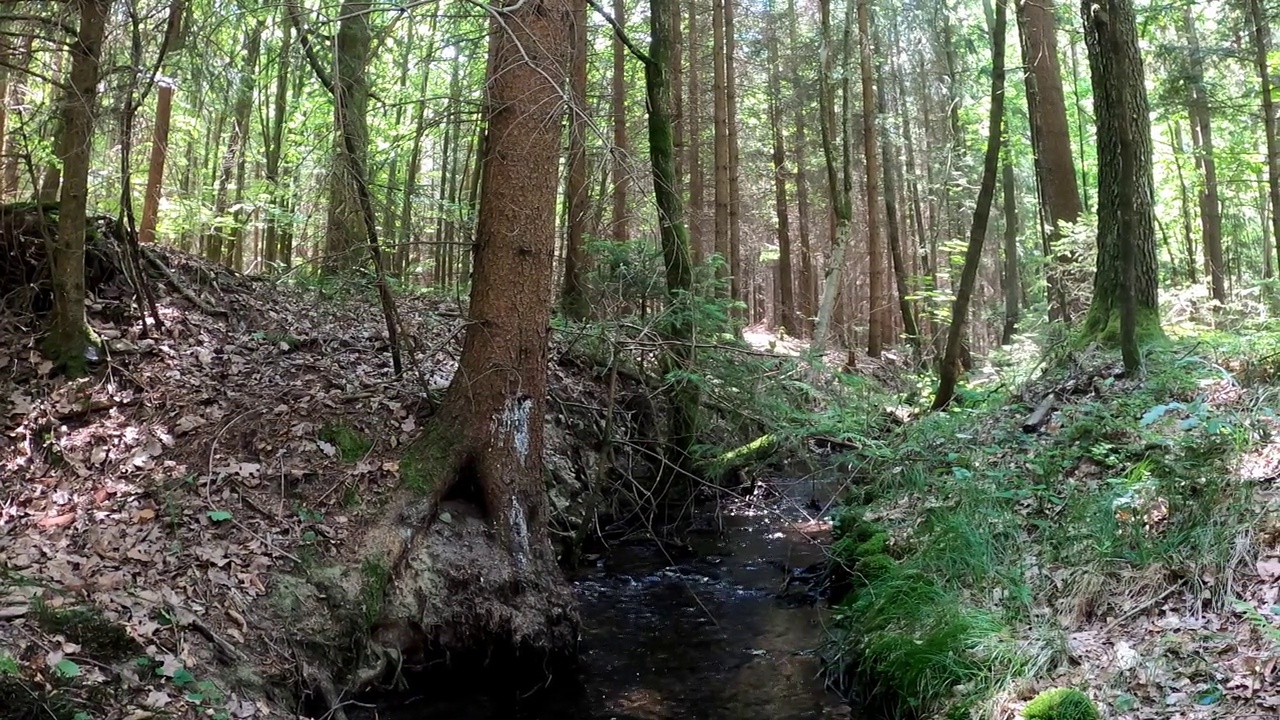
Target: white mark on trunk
x,y
515,422
519,534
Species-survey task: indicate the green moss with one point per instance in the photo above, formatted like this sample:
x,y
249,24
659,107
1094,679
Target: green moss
x,y
1061,704
351,444
877,544
377,578
873,567
849,523
1105,328
429,459
85,626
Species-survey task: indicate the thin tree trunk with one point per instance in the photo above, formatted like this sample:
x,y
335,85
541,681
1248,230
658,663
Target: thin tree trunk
x,y
839,186
573,294
738,287
784,290
1202,139
620,221
1184,203
1261,48
71,343
155,170
878,323
949,371
693,120
888,157
220,234
1012,281
721,149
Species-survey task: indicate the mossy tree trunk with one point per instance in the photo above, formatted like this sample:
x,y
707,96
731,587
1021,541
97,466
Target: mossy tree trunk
x,y
69,338
1125,212
683,395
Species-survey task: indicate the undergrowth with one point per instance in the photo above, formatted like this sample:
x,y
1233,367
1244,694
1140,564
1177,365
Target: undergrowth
x,y
1001,539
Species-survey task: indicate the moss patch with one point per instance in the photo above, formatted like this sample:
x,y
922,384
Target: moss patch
x,y
85,626
430,459
351,444
376,579
1061,704
1105,328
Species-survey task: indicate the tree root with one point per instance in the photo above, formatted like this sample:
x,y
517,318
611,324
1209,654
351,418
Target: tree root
x,y
322,681
177,285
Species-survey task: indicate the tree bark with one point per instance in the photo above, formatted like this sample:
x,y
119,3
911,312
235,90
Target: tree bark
x,y
785,291
839,188
878,323
1012,279
1051,145
155,170
738,278
901,273
949,370
220,234
620,221
573,294
1261,48
1202,140
1124,212
70,342
693,131
485,445
721,149
343,225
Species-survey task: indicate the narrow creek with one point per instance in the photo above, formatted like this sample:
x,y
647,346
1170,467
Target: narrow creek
x,y
707,635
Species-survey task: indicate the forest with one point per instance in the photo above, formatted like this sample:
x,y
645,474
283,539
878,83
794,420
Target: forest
x,y
671,359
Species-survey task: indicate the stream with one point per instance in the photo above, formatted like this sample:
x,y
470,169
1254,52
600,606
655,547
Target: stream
x,y
708,635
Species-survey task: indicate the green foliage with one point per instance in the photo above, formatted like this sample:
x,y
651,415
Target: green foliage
x,y
8,665
1061,704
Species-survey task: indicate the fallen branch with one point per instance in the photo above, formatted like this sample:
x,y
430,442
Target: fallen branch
x,y
177,285
1037,419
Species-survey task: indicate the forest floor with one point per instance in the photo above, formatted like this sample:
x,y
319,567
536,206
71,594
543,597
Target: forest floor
x,y
147,511
1128,546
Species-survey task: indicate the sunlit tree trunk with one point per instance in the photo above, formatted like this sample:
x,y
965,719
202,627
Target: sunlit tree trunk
x,y
1051,144
693,131
1202,140
739,284
839,187
70,343
949,368
784,289
901,273
155,170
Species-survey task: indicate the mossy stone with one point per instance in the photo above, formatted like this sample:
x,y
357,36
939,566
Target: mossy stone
x,y
1061,704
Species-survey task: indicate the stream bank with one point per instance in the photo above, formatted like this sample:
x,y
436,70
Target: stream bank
x,y
717,632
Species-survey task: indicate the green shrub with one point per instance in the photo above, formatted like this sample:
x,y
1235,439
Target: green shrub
x,y
1061,704
873,567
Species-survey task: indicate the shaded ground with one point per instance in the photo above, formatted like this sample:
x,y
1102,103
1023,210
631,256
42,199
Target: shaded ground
x,y
169,493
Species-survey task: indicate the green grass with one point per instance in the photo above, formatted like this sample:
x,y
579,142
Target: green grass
x,y
1130,491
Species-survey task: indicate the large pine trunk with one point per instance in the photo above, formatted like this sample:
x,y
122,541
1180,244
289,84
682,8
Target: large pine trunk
x,y
344,225
492,579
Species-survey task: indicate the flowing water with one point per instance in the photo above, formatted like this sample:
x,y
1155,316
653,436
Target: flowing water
x,y
712,636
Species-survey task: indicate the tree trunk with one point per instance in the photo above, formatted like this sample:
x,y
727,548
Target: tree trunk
x,y
1124,212
721,150
343,224
621,224
839,187
15,96
1012,279
275,147
1261,48
155,171
738,284
1051,145
1202,140
901,273
693,131
785,292
220,234
878,324
70,343
485,444
949,370
1184,204
573,294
